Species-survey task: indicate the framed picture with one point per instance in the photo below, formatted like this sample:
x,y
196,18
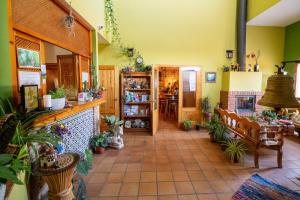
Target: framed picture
x,y
29,78
211,77
29,97
28,58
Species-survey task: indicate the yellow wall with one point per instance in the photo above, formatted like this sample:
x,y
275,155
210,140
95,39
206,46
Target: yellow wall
x,y
176,32
256,7
242,81
91,10
270,41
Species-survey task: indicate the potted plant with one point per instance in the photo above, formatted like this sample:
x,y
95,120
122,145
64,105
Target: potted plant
x,y
220,135
58,98
269,115
212,126
206,106
99,143
235,150
187,125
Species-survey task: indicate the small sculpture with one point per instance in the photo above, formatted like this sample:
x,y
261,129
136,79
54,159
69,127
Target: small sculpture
x,y
116,128
48,157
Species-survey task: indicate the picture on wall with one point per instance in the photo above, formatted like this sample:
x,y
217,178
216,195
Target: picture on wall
x,y
28,58
29,97
211,77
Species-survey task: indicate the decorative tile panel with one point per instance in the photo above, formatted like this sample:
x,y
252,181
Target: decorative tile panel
x,y
81,126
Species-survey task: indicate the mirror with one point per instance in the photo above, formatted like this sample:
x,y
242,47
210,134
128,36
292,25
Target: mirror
x,y
189,85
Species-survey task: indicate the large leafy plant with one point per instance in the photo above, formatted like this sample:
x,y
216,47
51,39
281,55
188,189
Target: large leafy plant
x,y
11,165
6,106
235,150
112,121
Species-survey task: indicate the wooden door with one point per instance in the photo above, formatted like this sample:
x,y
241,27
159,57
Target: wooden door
x,y
108,79
155,98
190,93
68,74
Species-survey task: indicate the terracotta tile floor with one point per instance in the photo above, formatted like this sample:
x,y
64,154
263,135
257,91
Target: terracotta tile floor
x,y
182,165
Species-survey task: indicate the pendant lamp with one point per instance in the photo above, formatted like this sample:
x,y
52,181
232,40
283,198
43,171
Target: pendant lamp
x,y
280,90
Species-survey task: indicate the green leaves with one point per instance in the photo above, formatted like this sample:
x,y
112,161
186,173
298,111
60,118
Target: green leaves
x,y
235,149
86,164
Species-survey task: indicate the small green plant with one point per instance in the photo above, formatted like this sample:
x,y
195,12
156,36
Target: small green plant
x,y
213,124
99,141
187,124
235,150
220,132
269,115
58,93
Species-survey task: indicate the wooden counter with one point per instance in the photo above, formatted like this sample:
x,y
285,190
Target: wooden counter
x,y
67,112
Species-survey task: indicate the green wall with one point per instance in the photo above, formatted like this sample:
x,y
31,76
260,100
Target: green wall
x,y
292,44
5,69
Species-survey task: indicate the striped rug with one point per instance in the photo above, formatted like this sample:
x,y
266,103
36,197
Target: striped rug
x,y
258,188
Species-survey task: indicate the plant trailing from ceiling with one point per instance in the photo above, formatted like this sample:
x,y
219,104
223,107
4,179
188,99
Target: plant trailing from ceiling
x,y
69,22
111,27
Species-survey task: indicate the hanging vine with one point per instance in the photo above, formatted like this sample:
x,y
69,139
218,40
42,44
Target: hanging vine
x,y
112,29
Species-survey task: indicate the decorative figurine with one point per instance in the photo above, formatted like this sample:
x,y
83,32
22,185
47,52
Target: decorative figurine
x,y
48,157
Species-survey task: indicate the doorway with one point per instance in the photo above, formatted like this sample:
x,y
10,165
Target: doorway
x,y
168,97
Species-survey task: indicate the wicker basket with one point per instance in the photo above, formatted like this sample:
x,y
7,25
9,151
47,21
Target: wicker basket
x,y
60,180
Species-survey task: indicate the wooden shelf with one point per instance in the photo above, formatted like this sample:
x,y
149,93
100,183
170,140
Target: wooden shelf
x,y
136,103
137,116
138,90
137,74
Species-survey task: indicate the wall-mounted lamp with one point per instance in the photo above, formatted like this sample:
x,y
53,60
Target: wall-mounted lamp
x,y
229,54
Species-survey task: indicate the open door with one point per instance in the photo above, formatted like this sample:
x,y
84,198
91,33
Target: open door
x,y
190,92
108,78
155,96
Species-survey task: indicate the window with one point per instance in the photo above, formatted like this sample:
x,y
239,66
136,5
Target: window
x,y
297,90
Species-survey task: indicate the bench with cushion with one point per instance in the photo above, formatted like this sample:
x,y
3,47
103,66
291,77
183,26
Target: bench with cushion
x,y
253,134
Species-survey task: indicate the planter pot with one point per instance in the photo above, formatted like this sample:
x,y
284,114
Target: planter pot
x,y
99,150
58,104
212,137
235,160
223,147
2,191
198,127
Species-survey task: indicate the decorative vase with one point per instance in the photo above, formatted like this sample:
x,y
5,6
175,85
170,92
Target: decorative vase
x,y
2,191
256,67
58,104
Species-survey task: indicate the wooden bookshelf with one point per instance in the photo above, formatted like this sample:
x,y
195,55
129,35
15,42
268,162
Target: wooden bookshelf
x,y
136,96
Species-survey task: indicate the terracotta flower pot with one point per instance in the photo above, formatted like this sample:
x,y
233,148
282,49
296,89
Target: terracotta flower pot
x,y
99,150
212,137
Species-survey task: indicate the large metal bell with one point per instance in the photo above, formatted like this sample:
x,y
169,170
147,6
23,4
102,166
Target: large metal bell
x,y
279,92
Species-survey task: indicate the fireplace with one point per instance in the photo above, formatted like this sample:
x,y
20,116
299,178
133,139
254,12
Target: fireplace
x,y
244,104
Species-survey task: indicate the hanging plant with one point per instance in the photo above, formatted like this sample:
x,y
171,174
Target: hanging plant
x,y
69,22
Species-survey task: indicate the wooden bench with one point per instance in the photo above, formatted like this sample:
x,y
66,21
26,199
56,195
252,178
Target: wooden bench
x,y
251,132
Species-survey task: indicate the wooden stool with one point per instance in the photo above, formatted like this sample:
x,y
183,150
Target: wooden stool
x,y
162,105
173,110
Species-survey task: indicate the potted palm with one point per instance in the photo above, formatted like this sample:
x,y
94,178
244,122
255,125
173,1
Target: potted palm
x,y
58,98
99,143
206,107
235,150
